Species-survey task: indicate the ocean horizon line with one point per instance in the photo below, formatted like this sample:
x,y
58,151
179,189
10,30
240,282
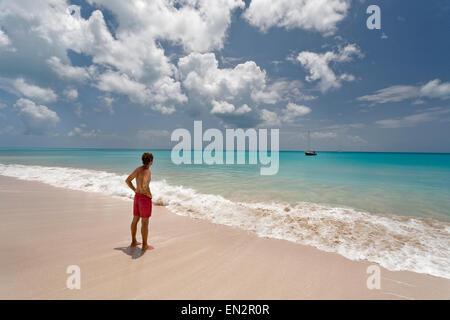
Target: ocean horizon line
x,y
168,149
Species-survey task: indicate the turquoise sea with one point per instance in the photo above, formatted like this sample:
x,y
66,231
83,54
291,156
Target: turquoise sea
x,y
356,204
410,184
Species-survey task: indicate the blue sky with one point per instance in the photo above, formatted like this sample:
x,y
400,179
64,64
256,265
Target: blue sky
x,y
116,74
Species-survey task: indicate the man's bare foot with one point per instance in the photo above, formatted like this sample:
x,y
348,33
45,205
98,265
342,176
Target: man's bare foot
x,y
146,247
135,244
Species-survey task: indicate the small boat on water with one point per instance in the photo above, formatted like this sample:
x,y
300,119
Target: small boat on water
x,y
309,152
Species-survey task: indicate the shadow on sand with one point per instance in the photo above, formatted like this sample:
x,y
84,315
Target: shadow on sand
x,y
133,252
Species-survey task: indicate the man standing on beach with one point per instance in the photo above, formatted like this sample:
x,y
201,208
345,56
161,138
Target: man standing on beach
x,y
142,207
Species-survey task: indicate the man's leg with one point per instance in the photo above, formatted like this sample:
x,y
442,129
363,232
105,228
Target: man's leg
x,y
144,231
134,223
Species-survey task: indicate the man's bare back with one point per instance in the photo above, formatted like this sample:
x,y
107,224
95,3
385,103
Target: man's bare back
x,y
143,177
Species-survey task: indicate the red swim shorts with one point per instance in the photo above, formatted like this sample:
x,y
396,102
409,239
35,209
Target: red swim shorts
x,y
142,206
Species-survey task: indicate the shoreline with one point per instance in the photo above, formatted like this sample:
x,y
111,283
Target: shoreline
x,y
398,243
192,259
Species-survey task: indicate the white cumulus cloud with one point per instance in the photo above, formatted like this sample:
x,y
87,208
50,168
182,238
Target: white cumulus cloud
x,y
165,90
38,119
71,94
245,85
293,111
288,114
35,92
317,15
223,107
68,71
198,25
318,66
201,75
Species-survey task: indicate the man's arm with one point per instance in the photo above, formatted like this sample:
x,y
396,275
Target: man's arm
x,y
130,178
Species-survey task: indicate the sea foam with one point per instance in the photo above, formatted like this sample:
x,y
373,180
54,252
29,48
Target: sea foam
x,y
396,243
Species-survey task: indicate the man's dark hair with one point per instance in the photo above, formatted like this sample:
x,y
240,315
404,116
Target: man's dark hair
x,y
147,158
